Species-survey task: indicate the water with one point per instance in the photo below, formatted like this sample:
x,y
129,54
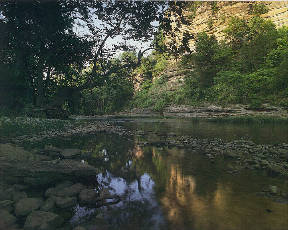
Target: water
x,y
172,188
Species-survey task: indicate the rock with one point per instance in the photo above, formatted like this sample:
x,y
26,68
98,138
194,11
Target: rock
x,y
88,196
70,153
59,187
50,192
63,185
65,202
18,196
7,218
19,187
273,189
283,153
73,190
232,153
51,151
7,205
67,190
28,167
48,205
4,195
39,220
25,206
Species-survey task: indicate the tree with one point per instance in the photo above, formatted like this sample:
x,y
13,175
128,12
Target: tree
x,y
41,42
251,41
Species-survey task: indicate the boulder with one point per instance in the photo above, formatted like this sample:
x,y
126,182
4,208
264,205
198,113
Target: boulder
x,y
64,184
88,196
65,202
48,205
73,190
25,206
6,218
4,195
59,187
7,205
40,220
70,153
18,196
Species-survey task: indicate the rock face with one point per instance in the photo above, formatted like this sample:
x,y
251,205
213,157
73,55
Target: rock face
x,y
39,220
213,18
25,206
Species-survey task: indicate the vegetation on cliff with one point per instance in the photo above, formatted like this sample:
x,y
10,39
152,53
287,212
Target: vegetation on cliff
x,y
249,67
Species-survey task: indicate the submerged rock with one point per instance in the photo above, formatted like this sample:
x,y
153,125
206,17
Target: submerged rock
x,y
48,205
65,202
25,206
39,220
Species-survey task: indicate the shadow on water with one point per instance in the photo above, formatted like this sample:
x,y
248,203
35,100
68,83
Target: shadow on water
x,y
167,188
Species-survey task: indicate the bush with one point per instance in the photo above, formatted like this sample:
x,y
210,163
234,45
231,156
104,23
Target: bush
x,y
235,87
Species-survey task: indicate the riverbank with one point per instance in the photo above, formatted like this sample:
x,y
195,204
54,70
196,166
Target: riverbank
x,y
212,112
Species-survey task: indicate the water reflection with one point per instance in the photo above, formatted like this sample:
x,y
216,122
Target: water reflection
x,y
162,188
258,133
228,202
192,192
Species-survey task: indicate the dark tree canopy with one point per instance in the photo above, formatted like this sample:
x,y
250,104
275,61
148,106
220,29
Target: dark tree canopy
x,y
39,41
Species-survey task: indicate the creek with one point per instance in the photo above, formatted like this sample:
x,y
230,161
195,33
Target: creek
x,y
167,187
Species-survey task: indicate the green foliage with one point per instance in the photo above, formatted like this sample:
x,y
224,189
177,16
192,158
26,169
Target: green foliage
x,y
258,8
192,8
214,6
209,57
109,97
44,54
235,87
251,41
250,67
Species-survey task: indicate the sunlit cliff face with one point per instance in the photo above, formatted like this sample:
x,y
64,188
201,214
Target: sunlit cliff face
x,y
205,19
221,209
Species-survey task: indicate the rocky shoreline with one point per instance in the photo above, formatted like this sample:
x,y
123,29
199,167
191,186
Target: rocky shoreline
x,y
22,172
209,111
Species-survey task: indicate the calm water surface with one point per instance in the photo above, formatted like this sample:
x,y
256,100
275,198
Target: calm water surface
x,y
172,188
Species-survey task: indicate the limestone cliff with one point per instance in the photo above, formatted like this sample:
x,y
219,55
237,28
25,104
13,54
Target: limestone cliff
x,y
213,17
